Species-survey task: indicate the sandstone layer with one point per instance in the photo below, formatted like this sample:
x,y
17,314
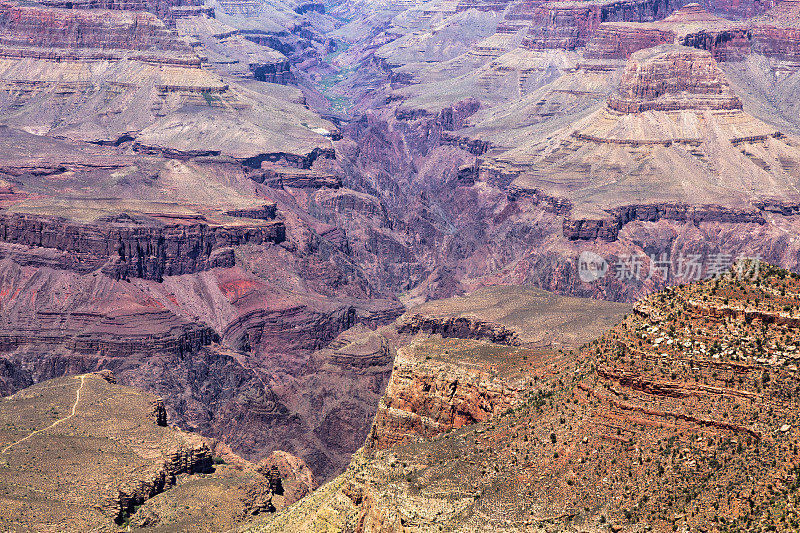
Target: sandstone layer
x,y
672,79
48,28
569,25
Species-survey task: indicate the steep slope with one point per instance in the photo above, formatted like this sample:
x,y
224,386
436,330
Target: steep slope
x,y
775,33
680,417
672,116
180,265
691,25
173,210
118,76
156,190
455,123
82,453
450,371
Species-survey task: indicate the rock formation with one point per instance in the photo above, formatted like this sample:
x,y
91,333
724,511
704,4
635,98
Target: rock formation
x,y
776,33
671,397
691,26
669,100
427,397
289,476
168,10
459,327
125,247
459,368
672,79
48,28
260,244
569,25
93,453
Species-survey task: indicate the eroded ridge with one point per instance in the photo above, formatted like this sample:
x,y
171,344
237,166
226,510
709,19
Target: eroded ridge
x,y
681,416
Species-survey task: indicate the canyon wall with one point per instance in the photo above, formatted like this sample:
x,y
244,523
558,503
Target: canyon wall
x,y
776,33
428,397
571,25
125,248
30,26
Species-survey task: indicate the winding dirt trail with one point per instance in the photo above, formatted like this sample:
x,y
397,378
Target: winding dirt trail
x,y
54,424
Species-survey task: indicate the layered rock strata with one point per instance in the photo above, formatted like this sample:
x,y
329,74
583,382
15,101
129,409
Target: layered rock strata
x,y
167,10
47,28
126,248
667,79
426,397
683,394
569,25
459,327
691,26
608,229
777,32
673,108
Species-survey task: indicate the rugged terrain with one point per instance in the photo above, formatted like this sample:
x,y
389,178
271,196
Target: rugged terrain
x,y
682,417
155,221
230,206
81,453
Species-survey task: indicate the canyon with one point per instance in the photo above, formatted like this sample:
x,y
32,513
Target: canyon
x,y
343,243
652,426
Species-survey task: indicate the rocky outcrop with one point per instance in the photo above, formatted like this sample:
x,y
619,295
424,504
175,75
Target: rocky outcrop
x,y
265,212
569,25
608,229
115,334
777,32
278,72
191,457
278,177
288,476
459,328
690,26
448,119
125,247
64,34
553,204
167,10
159,414
619,40
13,377
668,78
427,397
304,8
725,45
